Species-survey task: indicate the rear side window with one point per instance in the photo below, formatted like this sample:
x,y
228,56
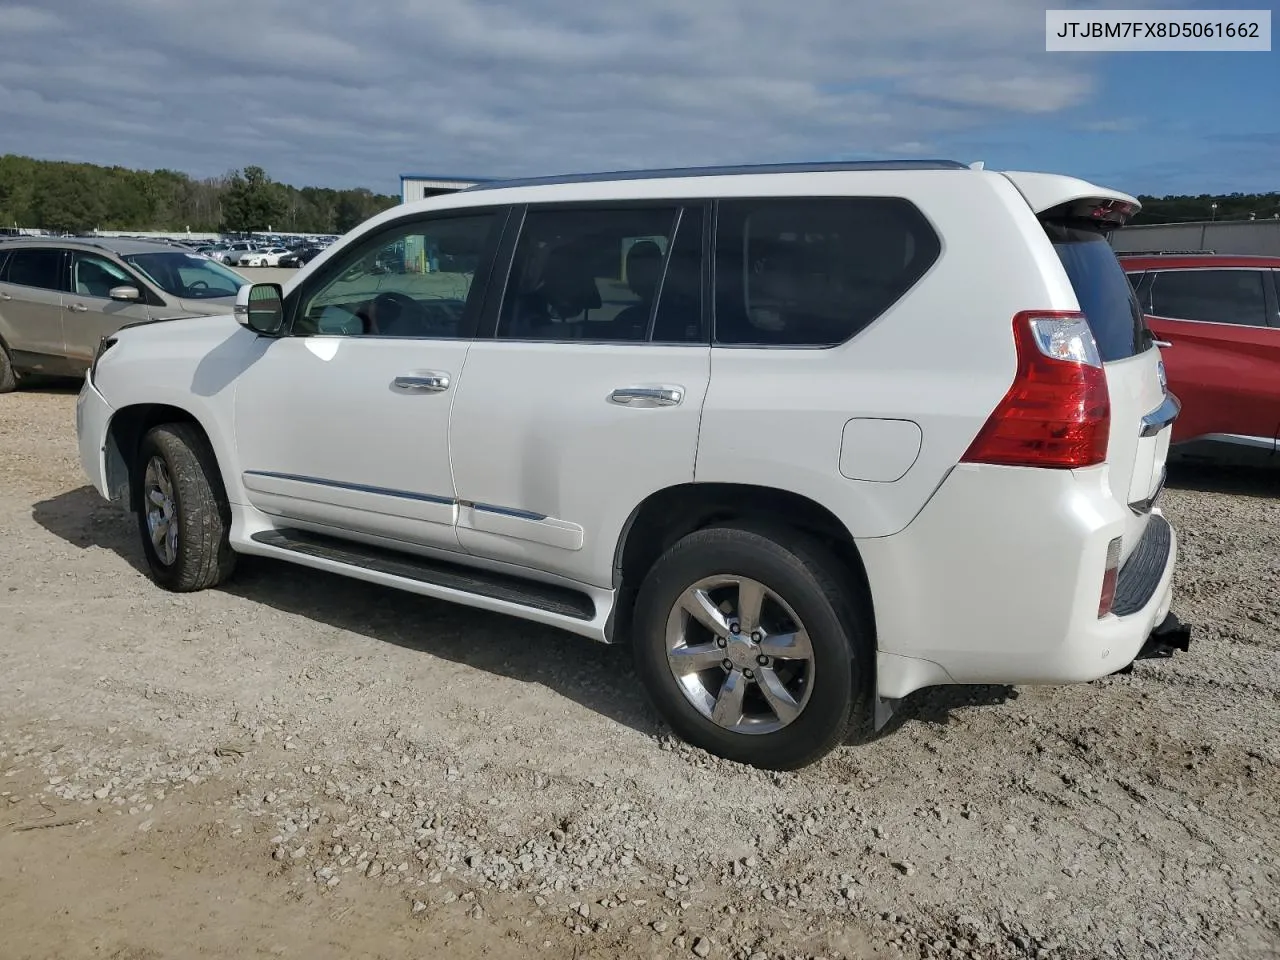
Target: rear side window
x,y
597,273
814,272
36,268
1212,296
1105,293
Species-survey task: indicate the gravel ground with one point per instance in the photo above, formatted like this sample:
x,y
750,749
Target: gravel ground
x,y
299,765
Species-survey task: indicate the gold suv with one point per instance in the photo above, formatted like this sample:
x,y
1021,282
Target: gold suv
x,y
59,296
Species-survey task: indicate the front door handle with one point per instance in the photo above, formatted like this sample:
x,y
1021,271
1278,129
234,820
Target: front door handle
x,y
427,382
647,396
1162,344
5,296
77,308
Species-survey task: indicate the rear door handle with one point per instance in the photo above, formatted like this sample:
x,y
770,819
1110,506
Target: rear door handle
x,y
5,296
1162,344
647,396
77,308
427,382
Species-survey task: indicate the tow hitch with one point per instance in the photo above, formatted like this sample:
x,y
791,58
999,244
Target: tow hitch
x,y
1169,636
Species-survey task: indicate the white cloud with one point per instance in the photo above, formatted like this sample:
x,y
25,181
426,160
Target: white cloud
x,y
335,92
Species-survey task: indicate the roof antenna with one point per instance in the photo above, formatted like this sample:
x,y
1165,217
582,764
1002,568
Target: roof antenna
x,y
976,165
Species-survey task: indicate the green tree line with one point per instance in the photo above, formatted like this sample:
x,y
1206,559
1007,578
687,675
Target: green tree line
x,y
79,197
1232,206
76,197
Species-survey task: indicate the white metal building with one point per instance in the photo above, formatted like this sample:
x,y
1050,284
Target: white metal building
x,y
419,186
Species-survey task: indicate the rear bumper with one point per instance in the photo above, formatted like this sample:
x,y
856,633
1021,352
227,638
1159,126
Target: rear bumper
x,y
93,415
998,581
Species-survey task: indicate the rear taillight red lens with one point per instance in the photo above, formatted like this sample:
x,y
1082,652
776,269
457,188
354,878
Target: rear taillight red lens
x,y
1057,413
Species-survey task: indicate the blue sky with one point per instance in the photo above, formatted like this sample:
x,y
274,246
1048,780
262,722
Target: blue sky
x,y
1157,123
335,93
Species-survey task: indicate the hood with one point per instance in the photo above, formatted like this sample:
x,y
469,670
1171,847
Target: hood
x,y
206,307
210,328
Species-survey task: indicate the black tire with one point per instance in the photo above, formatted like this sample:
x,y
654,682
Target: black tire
x,y
8,376
199,509
816,586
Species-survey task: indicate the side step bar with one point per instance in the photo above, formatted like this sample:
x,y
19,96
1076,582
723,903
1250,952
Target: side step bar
x,y
562,601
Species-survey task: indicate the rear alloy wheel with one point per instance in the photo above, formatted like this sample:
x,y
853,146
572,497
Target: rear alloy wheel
x,y
183,515
740,654
751,648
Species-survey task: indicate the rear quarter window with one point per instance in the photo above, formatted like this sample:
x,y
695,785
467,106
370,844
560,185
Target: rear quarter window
x,y
811,272
1105,293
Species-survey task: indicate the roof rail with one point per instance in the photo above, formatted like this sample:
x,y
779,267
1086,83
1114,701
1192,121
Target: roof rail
x,y
840,166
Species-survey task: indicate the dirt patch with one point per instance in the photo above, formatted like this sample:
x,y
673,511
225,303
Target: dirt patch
x,y
301,765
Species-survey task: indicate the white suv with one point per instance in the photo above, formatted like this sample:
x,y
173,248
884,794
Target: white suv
x,y
809,437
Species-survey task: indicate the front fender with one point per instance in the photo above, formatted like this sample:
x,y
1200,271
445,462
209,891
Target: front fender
x,y
182,369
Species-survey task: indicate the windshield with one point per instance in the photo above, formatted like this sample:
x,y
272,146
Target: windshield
x,y
188,275
1104,292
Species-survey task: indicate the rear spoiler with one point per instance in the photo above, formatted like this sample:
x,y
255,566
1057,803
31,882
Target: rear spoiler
x,y
1056,197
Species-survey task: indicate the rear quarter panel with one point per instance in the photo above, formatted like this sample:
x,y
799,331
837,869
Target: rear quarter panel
x,y
942,357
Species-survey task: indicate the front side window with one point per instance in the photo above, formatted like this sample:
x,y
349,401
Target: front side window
x,y
814,272
411,281
191,276
1211,296
39,268
95,276
606,274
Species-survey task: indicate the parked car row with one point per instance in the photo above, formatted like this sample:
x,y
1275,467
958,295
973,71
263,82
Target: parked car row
x,y
265,252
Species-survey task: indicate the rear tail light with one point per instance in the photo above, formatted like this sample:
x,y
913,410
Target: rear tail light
x,y
1058,412
1110,576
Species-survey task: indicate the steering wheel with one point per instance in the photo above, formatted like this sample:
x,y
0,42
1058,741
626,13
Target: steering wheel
x,y
395,314
198,285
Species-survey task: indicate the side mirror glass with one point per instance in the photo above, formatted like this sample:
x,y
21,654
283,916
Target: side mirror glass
x,y
125,294
260,307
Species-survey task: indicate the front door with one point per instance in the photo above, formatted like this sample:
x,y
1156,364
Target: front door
x,y
31,291
344,422
587,398
89,312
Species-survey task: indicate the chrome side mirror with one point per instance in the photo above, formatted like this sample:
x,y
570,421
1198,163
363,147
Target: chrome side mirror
x,y
260,307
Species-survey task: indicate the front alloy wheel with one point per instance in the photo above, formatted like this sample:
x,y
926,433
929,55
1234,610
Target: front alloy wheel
x,y
161,511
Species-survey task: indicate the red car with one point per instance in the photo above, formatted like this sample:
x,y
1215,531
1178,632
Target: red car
x,y
1220,318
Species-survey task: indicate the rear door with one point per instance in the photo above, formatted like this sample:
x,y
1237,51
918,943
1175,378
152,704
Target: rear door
x,y
587,398
31,292
1224,358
